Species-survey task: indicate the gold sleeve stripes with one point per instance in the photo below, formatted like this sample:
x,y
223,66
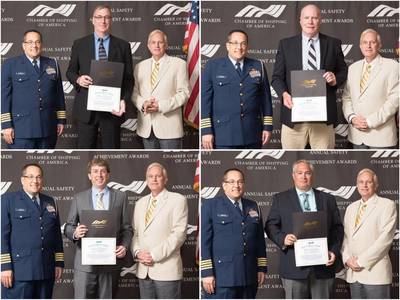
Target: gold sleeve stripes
x,y
267,120
5,258
262,262
61,114
206,264
59,256
206,123
6,117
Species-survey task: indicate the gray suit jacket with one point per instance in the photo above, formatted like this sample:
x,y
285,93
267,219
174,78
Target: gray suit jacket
x,y
83,201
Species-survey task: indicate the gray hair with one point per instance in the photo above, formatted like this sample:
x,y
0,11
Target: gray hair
x,y
156,164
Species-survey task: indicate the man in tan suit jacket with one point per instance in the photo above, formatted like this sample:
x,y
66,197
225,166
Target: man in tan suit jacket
x,y
160,221
371,98
369,226
161,89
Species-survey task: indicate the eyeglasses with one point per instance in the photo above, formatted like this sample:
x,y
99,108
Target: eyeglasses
x,y
233,182
33,43
33,178
99,18
237,44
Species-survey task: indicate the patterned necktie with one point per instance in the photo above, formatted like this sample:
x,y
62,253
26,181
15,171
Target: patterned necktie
x,y
312,56
360,213
35,66
238,69
154,74
364,79
150,210
102,50
237,207
35,202
306,203
99,202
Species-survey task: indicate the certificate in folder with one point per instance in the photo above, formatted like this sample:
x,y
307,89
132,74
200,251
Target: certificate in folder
x,y
308,96
105,92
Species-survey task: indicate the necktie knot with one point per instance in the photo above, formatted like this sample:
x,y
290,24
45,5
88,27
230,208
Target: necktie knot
x,y
100,40
238,68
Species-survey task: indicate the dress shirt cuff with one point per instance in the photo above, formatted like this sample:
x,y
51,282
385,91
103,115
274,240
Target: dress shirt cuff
x,y
351,117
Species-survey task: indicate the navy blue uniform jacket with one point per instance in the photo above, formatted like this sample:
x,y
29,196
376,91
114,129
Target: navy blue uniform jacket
x,y
232,245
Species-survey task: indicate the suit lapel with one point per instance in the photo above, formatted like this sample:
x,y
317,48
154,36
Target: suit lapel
x,y
89,201
246,68
323,44
163,70
374,73
294,199
28,66
25,198
161,201
111,49
298,48
112,199
318,201
231,68
371,204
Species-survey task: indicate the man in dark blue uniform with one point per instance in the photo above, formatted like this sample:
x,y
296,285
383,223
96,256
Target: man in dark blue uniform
x,y
236,106
233,255
32,98
31,244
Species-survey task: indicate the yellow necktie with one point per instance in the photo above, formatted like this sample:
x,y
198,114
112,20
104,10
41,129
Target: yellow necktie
x,y
364,79
100,203
360,213
154,74
150,210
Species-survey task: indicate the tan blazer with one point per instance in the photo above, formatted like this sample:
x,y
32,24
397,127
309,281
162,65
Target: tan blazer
x,y
370,242
171,91
378,103
162,237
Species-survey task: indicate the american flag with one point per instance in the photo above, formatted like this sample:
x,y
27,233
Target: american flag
x,y
191,48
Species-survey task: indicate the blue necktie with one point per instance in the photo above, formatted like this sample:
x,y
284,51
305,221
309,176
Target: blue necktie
x,y
236,204
238,69
102,50
35,202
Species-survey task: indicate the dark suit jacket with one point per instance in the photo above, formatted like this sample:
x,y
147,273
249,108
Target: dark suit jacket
x,y
83,201
83,52
279,224
289,58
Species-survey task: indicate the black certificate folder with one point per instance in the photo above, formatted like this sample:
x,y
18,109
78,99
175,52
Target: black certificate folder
x,y
100,223
310,225
308,83
106,73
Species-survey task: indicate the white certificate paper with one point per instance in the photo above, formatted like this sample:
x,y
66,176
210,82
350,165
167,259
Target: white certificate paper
x,y
311,252
309,109
98,251
103,98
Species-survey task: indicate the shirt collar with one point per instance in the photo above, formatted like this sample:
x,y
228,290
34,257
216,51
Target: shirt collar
x,y
31,59
96,190
373,62
159,61
159,196
299,192
234,61
315,38
238,201
106,37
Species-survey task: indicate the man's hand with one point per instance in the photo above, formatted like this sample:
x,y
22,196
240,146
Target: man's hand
x,y
80,231
289,239
145,258
120,251
266,135
60,129
330,78
7,278
57,273
352,264
209,284
8,135
261,278
360,123
287,100
331,258
84,81
207,141
122,108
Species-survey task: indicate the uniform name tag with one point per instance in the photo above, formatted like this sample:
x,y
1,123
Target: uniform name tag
x,y
253,213
222,76
20,73
50,208
254,73
20,209
50,70
222,215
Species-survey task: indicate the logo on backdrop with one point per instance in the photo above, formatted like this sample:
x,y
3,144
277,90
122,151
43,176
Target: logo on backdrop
x,y
209,192
48,151
172,10
385,154
5,47
67,87
277,154
344,191
190,229
209,50
383,11
346,49
130,124
47,11
273,92
254,11
134,46
342,129
135,186
5,185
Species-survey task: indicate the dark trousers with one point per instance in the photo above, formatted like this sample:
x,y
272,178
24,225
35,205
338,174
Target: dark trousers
x,y
369,291
109,128
250,146
48,142
159,289
34,289
310,288
233,292
95,285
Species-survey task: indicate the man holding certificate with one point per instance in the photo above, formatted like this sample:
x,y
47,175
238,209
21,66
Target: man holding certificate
x,y
322,60
100,57
98,216
303,201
